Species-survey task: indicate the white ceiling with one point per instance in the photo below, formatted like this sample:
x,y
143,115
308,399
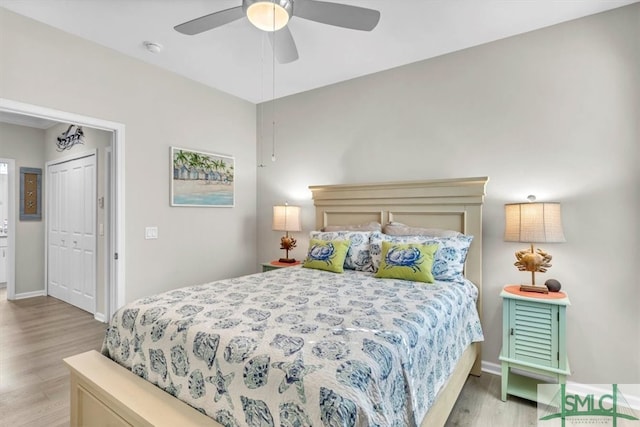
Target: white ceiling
x,y
236,58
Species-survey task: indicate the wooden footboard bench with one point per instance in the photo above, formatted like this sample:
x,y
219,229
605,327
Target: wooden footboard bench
x,y
104,393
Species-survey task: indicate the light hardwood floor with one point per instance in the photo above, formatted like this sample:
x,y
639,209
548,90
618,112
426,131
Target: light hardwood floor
x,y
37,333
479,405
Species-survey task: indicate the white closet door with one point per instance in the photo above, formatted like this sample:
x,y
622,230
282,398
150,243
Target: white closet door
x,y
71,231
57,286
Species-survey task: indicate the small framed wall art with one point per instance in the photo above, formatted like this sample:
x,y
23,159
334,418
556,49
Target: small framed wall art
x,y
30,194
201,179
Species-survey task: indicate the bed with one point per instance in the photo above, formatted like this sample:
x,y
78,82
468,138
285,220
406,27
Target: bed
x,y
348,343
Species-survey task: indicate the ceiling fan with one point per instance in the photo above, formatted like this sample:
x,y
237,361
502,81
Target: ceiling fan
x,y
273,16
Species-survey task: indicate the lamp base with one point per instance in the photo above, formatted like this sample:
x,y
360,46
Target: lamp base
x,y
533,288
287,260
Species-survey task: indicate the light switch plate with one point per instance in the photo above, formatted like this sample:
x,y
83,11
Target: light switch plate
x,y
151,233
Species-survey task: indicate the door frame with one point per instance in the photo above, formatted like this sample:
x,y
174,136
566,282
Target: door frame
x,y
116,287
109,291
11,232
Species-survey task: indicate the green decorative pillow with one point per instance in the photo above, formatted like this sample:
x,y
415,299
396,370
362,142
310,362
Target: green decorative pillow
x,y
407,261
327,255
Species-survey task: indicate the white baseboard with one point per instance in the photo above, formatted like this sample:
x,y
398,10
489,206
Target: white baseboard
x,y
577,388
100,317
24,295
491,368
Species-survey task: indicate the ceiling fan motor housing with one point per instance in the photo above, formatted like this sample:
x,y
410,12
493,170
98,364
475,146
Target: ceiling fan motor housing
x,y
261,13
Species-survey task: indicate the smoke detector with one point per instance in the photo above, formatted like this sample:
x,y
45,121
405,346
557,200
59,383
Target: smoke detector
x,y
153,47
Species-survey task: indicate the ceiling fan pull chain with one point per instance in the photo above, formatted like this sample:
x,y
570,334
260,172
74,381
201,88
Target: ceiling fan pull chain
x,y
273,88
261,108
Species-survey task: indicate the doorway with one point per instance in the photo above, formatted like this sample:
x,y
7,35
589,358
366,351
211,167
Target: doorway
x,y
71,231
6,222
115,288
7,243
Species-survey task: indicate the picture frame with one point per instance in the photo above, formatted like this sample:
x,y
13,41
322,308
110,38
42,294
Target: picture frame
x,y
201,179
30,194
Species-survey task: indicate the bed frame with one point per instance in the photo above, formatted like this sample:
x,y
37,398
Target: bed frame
x,y
104,393
451,204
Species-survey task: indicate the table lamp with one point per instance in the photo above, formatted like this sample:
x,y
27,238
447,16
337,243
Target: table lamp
x,y
533,223
286,218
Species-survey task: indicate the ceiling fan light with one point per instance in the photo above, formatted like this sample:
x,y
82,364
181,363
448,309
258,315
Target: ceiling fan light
x,y
268,15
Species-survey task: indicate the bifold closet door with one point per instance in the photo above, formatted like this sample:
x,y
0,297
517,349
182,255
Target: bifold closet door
x,y
71,229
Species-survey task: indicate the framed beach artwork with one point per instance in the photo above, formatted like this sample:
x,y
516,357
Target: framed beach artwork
x,y
201,179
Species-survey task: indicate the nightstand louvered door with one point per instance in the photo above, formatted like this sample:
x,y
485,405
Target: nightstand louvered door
x,y
533,341
534,333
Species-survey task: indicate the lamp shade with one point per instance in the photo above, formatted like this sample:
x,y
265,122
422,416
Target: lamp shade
x,y
533,223
286,218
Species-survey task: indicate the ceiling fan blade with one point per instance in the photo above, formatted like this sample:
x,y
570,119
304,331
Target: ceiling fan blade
x,y
209,22
340,15
284,45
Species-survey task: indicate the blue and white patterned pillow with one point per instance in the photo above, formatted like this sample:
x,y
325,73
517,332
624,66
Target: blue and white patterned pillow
x,y
358,256
449,259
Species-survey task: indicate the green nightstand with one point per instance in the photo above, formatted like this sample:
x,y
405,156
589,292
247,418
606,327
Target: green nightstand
x,y
533,341
274,265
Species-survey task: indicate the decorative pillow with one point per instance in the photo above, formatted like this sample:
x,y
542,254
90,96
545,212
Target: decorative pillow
x,y
400,229
358,256
407,261
449,259
370,226
327,255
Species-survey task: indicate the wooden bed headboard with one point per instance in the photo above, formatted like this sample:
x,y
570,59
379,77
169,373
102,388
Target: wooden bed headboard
x,y
452,204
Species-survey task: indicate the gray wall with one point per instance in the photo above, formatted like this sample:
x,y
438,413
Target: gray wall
x,y
553,113
159,110
25,146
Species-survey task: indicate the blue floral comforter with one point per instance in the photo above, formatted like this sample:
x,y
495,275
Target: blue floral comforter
x,y
300,347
